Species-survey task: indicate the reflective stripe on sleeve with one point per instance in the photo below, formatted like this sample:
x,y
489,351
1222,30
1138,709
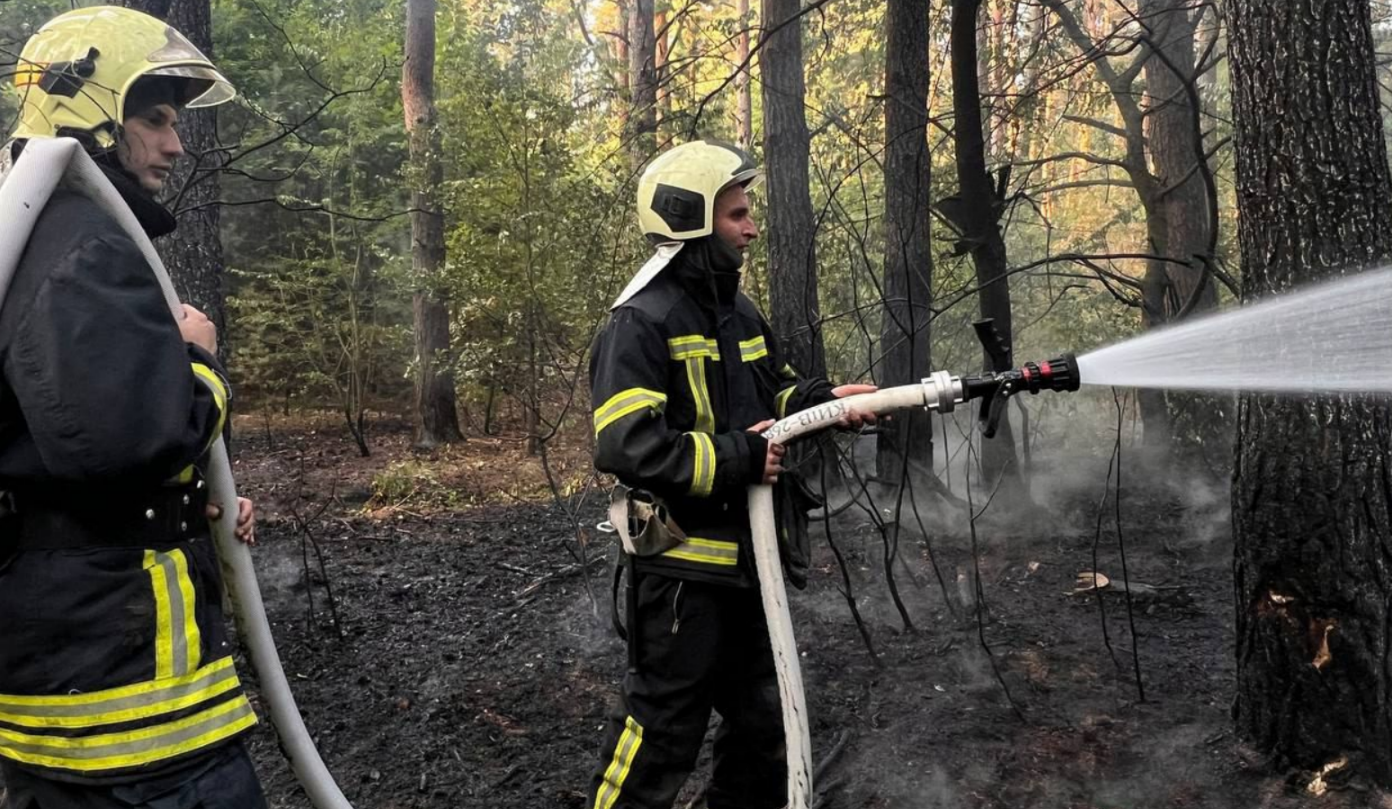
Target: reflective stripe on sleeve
x,y
780,402
703,464
625,402
753,349
214,383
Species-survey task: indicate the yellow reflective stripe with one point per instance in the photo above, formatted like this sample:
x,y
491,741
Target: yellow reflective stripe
x,y
150,690
164,630
192,637
788,372
625,402
111,751
177,638
706,551
186,476
780,401
617,772
219,389
693,346
703,464
169,696
753,349
700,396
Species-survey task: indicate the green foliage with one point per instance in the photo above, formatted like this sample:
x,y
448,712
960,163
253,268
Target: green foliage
x,y
410,484
538,188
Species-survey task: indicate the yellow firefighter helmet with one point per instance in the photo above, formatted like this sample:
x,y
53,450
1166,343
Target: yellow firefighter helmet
x,y
676,195
75,72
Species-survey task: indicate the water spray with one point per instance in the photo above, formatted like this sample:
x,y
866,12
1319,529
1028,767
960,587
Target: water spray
x,y
941,392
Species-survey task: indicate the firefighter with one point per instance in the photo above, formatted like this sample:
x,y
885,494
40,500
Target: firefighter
x,y
117,685
684,377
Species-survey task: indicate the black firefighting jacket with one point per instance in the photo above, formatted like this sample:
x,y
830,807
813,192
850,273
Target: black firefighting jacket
x,y
113,658
678,374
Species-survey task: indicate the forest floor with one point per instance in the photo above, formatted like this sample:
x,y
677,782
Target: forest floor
x,y
464,663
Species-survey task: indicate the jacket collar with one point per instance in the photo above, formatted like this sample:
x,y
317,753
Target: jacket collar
x,y
154,218
708,269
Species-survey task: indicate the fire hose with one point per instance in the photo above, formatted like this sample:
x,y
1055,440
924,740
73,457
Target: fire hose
x,y
44,166
941,392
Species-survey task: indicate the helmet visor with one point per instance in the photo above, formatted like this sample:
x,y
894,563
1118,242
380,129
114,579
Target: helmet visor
x,y
749,178
206,86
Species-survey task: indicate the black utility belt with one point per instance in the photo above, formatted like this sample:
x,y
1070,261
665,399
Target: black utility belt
x,y
175,514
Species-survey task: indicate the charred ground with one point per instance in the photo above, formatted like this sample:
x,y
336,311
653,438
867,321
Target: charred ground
x,y
466,663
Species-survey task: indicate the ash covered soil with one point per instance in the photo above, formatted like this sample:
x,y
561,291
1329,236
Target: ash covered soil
x,y
467,665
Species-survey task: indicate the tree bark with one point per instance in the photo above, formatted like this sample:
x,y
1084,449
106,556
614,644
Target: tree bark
x,y
437,419
1182,201
662,76
1311,492
744,99
977,215
908,274
1161,166
1178,224
792,230
642,77
193,254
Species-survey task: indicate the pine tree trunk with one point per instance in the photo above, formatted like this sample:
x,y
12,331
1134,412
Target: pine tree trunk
x,y
978,217
1311,492
193,253
1179,224
744,103
437,419
791,230
642,70
908,274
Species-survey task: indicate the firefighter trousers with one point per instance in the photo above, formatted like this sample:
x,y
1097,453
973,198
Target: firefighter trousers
x,y
700,647
224,779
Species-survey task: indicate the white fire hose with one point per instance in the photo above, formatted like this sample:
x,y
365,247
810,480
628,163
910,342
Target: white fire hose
x,y
45,165
940,392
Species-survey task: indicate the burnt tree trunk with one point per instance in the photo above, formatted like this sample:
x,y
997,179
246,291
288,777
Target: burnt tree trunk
x,y
792,230
1311,492
642,78
193,253
437,419
908,273
976,214
744,99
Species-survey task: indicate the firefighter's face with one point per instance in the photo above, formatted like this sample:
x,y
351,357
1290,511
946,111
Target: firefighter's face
x,y
149,146
733,220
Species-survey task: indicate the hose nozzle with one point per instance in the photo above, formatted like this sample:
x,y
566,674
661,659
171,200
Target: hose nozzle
x,y
1060,374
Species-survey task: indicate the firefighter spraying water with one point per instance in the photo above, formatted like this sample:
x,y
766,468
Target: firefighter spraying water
x,y
687,381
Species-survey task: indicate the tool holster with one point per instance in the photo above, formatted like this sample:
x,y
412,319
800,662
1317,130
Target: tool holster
x,y
643,523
